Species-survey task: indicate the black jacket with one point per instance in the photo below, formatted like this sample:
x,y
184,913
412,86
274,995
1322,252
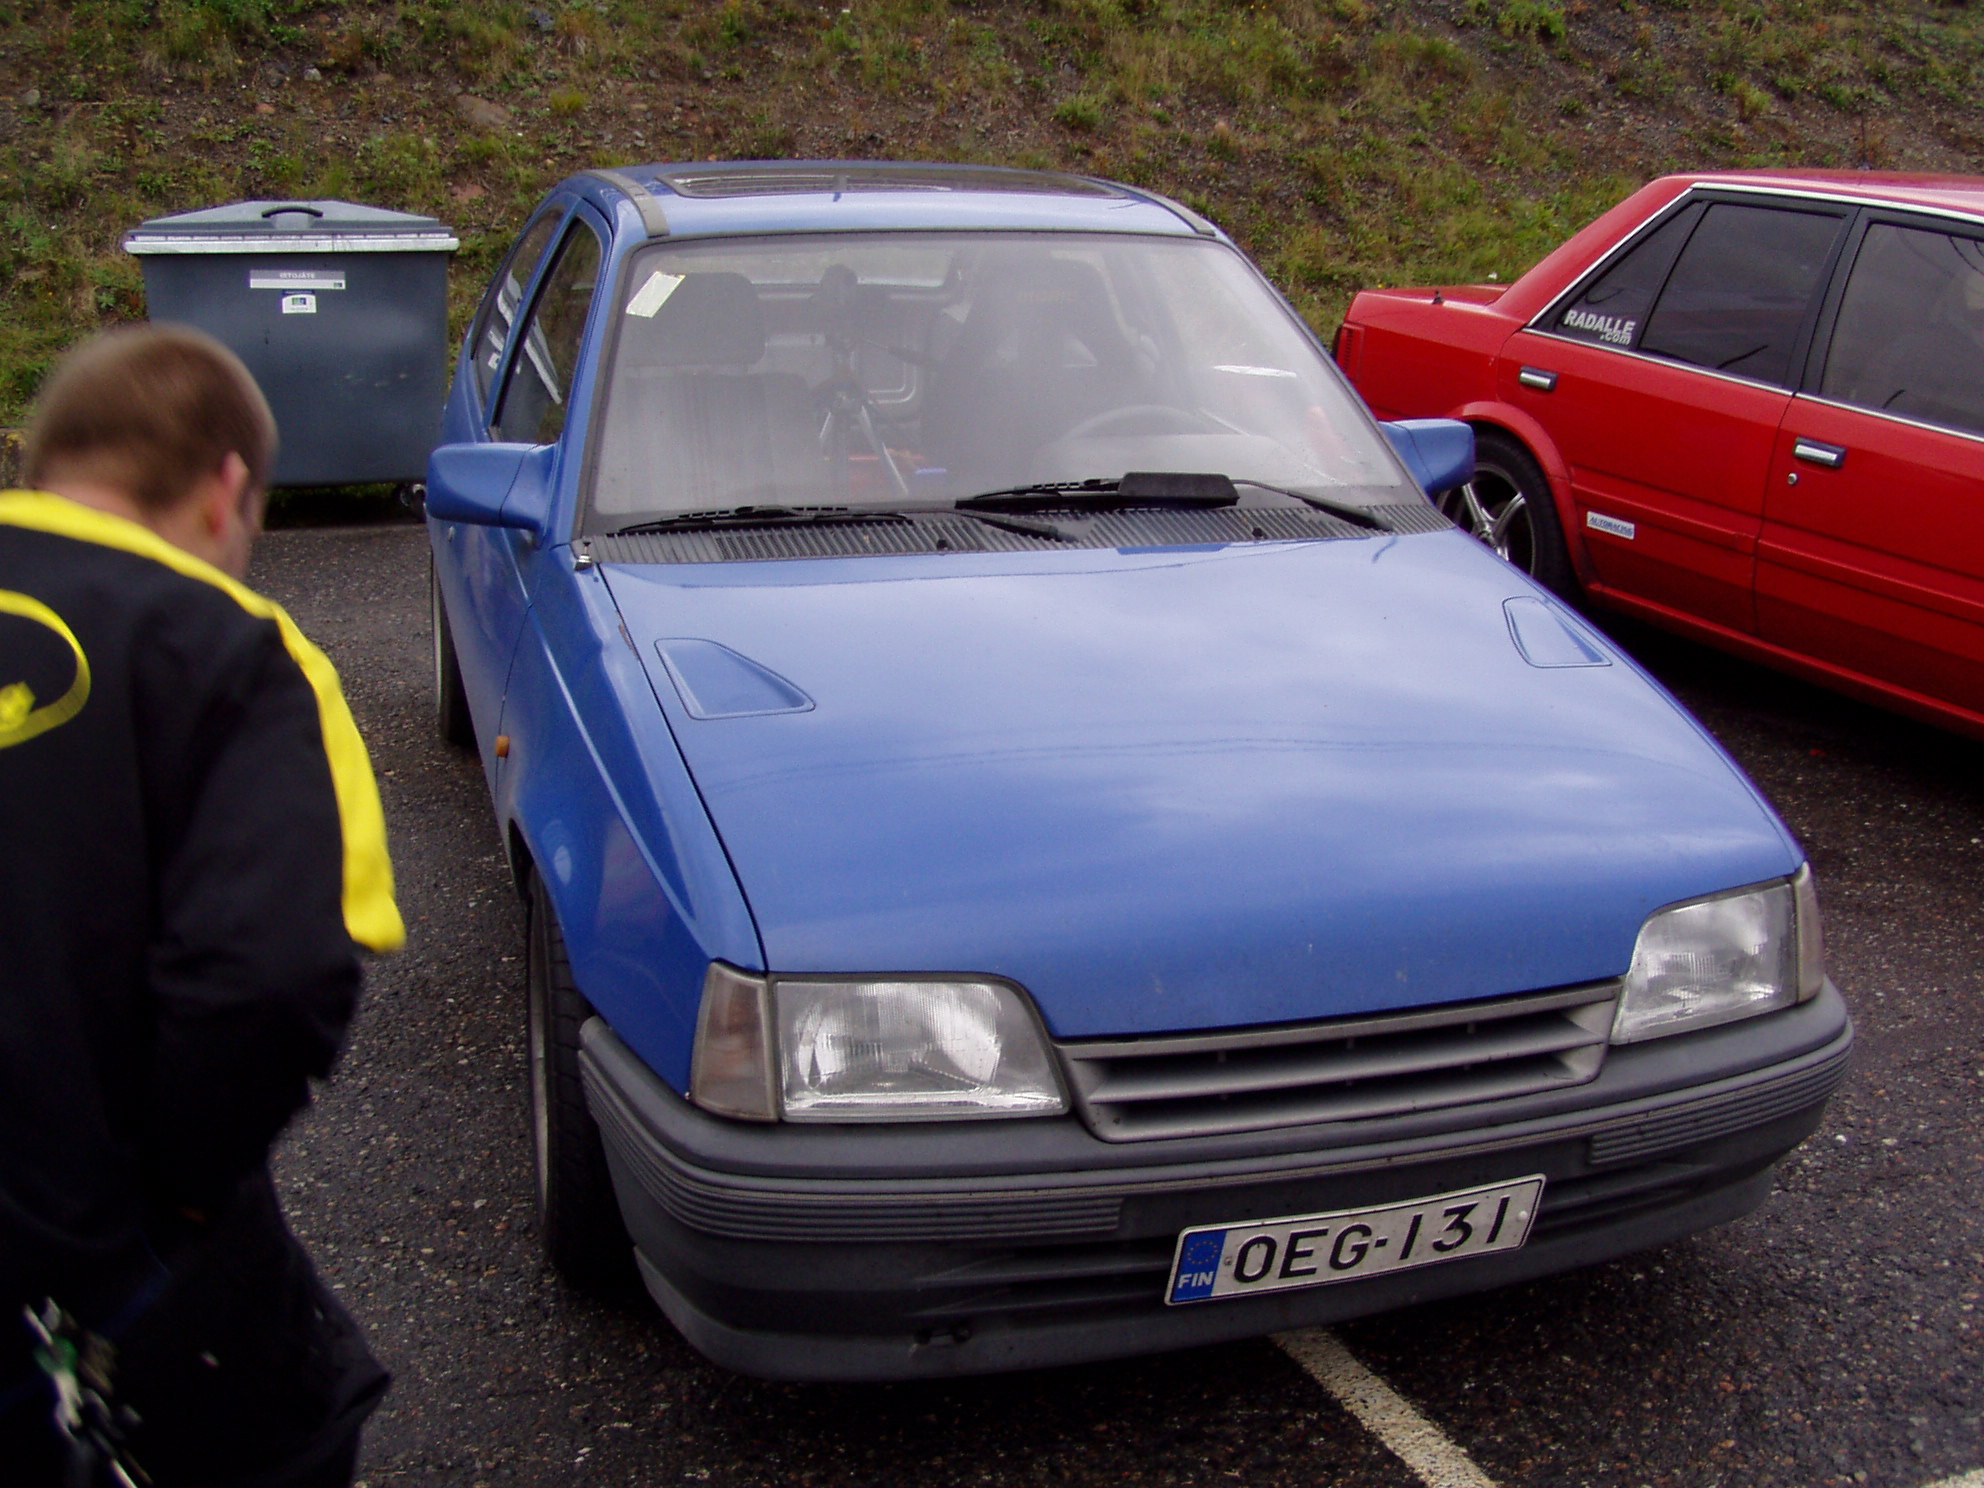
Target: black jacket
x,y
191,853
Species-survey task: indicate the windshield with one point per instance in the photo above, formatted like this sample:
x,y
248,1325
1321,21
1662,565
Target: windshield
x,y
905,369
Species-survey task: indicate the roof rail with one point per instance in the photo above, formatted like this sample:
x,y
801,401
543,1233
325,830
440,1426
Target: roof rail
x,y
645,201
1200,225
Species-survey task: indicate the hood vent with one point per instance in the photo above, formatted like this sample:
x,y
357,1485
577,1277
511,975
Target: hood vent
x,y
1546,637
715,682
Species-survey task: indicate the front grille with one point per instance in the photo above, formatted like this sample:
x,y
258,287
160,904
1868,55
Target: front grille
x,y
1347,1069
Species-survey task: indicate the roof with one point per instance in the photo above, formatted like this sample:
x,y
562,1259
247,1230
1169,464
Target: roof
x,y
727,197
1961,194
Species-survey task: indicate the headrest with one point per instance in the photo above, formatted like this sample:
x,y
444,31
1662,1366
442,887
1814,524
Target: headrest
x,y
1054,297
707,320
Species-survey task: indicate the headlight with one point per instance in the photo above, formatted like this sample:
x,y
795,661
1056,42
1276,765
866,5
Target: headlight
x,y
869,1049
1721,959
903,1050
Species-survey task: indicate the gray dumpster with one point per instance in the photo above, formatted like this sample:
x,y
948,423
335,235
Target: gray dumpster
x,y
340,311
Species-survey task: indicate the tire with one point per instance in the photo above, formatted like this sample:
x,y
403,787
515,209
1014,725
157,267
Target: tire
x,y
1508,506
450,698
578,1218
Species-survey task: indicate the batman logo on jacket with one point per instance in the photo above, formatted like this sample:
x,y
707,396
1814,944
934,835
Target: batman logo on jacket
x,y
40,658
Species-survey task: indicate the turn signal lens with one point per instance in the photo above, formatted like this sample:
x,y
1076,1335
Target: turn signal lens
x,y
1811,940
731,1074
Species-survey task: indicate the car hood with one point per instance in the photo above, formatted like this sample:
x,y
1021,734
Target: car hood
x,y
1175,789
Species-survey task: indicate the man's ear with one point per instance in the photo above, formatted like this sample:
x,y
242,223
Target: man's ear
x,y
222,495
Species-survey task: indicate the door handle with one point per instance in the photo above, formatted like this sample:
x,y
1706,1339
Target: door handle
x,y
1832,456
1536,377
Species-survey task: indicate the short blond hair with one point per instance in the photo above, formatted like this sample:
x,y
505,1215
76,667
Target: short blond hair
x,y
149,410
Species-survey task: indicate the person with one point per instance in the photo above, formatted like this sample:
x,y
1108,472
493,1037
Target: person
x,y
192,852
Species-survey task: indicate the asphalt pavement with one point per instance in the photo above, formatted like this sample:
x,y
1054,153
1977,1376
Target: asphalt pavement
x,y
1832,1338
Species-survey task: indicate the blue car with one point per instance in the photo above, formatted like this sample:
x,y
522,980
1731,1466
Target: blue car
x,y
1041,843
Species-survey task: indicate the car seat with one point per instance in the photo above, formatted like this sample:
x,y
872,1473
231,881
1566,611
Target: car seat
x,y
689,424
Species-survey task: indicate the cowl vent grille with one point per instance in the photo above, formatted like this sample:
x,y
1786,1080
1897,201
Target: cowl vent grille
x,y
1348,1069
943,532
1411,516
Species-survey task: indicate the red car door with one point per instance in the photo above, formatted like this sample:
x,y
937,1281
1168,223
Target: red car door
x,y
1872,554
1663,379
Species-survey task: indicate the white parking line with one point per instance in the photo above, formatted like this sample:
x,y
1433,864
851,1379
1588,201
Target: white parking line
x,y
1390,1417
1409,1436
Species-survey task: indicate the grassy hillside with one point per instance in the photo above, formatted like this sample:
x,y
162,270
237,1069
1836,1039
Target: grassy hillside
x,y
1344,142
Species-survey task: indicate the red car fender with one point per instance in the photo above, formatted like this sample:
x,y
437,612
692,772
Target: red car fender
x,y
1549,459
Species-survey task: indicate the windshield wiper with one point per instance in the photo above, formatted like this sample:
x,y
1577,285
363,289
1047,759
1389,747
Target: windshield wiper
x,y
785,516
1358,516
724,516
1007,523
1146,488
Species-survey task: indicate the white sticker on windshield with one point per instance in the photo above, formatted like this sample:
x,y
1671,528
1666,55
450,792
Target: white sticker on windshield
x,y
1245,371
651,296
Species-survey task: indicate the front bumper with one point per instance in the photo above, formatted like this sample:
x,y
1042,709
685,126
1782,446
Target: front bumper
x,y
891,1252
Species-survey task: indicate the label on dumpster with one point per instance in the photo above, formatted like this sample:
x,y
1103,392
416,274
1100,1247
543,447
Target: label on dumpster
x,y
299,304
288,280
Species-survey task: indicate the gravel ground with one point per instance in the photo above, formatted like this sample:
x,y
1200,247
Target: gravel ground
x,y
1833,1338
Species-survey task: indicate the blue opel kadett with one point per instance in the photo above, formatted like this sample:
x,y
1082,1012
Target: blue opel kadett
x,y
1041,843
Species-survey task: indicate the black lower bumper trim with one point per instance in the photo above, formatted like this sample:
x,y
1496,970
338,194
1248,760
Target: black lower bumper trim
x,y
984,1340
902,1271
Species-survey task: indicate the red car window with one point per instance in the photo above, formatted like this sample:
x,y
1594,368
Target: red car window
x,y
1738,296
1613,308
1910,334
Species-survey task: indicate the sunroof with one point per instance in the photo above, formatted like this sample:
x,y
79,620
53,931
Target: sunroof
x,y
780,180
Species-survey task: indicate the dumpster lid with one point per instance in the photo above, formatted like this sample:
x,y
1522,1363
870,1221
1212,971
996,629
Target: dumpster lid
x,y
291,227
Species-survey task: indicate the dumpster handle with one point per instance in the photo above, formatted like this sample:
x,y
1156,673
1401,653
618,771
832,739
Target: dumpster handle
x,y
296,207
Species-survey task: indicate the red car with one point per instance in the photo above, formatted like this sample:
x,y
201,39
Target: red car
x,y
1748,407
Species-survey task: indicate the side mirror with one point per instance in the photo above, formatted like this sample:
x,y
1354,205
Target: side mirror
x,y
492,485
1438,452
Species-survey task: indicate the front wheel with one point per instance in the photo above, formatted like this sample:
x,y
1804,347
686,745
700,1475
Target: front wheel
x,y
1508,506
578,1219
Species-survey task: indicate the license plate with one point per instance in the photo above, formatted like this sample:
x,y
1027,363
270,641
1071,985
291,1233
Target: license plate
x,y
1275,1255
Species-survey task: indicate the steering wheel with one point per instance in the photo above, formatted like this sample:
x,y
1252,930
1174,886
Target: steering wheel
x,y
1143,418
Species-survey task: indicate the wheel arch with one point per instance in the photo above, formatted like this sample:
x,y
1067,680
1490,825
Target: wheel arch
x,y
523,862
1502,418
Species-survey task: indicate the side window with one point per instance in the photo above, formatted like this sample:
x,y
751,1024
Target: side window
x,y
1613,308
499,306
540,382
1739,293
1910,334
